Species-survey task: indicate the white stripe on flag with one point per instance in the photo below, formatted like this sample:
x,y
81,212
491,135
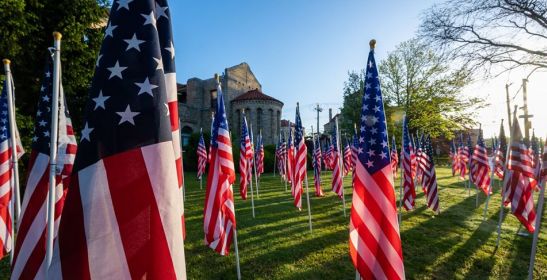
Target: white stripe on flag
x,y
38,169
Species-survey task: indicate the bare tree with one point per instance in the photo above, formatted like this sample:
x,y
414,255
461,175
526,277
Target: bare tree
x,y
508,33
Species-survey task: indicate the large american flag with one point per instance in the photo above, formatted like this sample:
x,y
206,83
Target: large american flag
x,y
202,155
480,167
519,180
409,192
128,226
29,257
374,240
499,161
430,187
337,186
245,156
317,167
300,154
259,155
394,157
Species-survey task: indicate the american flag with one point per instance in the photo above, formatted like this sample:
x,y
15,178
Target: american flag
x,y
519,180
128,129
337,186
536,156
421,160
6,175
454,157
300,154
259,155
354,155
202,155
501,150
463,158
245,155
394,157
480,172
430,176
413,160
317,167
347,158
290,161
282,154
409,192
219,220
374,240
29,257
329,157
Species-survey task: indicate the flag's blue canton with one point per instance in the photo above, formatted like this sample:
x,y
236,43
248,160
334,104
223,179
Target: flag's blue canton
x,y
220,117
244,130
290,143
428,149
480,140
128,105
421,142
298,131
469,143
407,142
42,123
535,145
373,136
4,119
334,137
356,142
163,18
394,145
201,141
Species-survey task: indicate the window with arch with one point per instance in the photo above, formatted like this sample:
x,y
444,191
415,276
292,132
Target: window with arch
x,y
258,120
185,133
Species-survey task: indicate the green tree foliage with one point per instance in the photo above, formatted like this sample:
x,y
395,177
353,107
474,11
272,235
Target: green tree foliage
x,y
421,84
26,35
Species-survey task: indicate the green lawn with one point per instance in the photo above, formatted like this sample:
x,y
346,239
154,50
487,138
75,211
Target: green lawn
x,y
277,244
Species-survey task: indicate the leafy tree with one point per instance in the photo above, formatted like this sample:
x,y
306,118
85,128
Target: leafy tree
x,y
26,34
421,84
509,33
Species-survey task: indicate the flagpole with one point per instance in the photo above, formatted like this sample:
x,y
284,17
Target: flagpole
x,y
489,188
539,214
340,165
251,185
238,269
503,184
402,174
53,149
308,200
182,167
275,158
13,142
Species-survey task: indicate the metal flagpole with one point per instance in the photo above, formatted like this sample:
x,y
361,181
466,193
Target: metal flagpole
x,y
254,161
340,162
503,185
539,214
308,200
402,174
490,187
238,269
13,142
53,148
182,166
275,156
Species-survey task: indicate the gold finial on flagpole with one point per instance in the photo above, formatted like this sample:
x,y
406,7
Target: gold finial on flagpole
x,y
372,43
57,35
6,61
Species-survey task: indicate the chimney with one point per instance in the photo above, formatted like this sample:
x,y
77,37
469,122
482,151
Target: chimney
x,y
330,114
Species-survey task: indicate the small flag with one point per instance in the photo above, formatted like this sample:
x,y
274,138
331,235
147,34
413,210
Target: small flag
x,y
409,192
300,159
347,158
499,161
259,155
202,155
394,157
430,177
245,155
480,172
317,167
337,187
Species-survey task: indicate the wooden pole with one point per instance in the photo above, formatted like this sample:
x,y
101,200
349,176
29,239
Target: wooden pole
x,y
238,268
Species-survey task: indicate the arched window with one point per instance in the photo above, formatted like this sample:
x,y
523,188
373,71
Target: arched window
x,y
273,126
258,120
278,121
185,133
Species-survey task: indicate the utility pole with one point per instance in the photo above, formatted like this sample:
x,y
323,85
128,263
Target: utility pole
x,y
526,117
509,119
319,110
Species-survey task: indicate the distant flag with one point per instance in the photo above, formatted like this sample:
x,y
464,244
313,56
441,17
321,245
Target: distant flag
x,y
202,155
463,153
454,157
347,158
536,156
409,192
127,159
317,167
211,138
337,186
29,261
469,150
394,157
245,155
374,240
499,161
480,167
413,159
300,155
259,155
290,161
544,163
430,177
281,160
219,220
519,180
6,177
420,161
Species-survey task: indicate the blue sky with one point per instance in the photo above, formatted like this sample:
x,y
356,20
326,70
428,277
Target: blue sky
x,y
300,50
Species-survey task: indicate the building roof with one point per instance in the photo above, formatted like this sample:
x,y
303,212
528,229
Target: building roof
x,y
255,94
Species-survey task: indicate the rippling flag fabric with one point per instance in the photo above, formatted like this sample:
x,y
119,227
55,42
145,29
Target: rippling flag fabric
x,y
394,157
409,192
245,156
481,168
317,168
202,156
337,186
300,159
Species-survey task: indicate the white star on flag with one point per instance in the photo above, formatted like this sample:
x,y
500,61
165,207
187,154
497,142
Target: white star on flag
x,y
116,70
99,100
146,87
86,132
127,116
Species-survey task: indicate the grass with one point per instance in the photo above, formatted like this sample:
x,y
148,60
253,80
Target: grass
x,y
277,244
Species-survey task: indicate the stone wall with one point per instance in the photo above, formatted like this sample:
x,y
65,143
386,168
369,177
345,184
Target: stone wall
x,y
262,115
